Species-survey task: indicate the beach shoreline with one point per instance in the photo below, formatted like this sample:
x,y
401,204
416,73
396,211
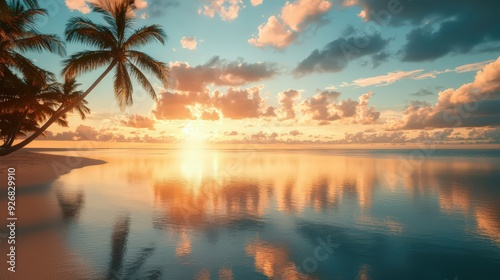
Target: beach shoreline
x,y
40,250
36,168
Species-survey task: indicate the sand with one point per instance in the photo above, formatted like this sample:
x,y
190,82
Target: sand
x,y
41,249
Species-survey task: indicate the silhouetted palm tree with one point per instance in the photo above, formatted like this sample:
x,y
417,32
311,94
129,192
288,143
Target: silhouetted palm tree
x,y
25,105
18,34
115,42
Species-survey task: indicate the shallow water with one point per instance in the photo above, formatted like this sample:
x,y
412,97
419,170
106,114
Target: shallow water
x,y
330,214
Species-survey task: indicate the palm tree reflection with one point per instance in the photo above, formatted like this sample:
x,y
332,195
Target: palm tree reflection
x,y
71,205
118,269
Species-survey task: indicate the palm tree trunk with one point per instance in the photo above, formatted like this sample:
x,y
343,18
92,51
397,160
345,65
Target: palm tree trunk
x,y
59,113
16,129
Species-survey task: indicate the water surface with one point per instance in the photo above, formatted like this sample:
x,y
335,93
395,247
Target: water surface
x,y
327,214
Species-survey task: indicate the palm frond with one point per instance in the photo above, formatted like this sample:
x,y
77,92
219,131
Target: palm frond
x,y
123,86
83,30
83,62
141,78
41,42
157,68
145,35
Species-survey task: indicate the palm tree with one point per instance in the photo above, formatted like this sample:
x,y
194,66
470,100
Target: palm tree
x,y
25,105
115,42
18,34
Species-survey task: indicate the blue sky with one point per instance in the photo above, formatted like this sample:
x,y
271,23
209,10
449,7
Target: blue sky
x,y
319,23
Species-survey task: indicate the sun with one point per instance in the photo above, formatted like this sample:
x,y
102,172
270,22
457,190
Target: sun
x,y
194,133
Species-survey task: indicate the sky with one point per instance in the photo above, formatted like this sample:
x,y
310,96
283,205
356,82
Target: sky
x,y
302,71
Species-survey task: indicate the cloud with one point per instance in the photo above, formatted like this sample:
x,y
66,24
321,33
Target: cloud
x,y
189,43
336,55
82,5
325,107
422,92
262,137
231,133
226,9
287,100
219,72
384,80
437,29
280,31
256,2
174,106
273,33
138,121
297,15
472,67
84,132
88,133
61,136
419,74
471,105
242,103
236,103
78,5
295,133
372,138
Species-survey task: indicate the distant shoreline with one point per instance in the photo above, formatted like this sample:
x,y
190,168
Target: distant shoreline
x,y
44,145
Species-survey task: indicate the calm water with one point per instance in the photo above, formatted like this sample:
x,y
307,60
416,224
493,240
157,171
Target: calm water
x,y
166,214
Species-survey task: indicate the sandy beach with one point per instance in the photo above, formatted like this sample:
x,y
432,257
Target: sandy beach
x,y
41,252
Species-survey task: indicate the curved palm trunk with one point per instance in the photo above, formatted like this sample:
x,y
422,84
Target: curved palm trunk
x,y
10,141
59,113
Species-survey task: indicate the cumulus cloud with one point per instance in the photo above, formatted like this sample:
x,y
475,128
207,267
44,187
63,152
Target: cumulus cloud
x,y
287,100
280,31
273,33
219,72
236,103
61,136
262,137
78,5
227,10
138,121
325,107
472,104
298,14
174,106
437,29
336,55
242,103
256,2
373,138
295,133
189,43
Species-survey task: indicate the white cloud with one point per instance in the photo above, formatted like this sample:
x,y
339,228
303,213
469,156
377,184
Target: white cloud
x,y
273,33
256,2
189,43
227,10
384,80
392,77
299,13
280,31
78,5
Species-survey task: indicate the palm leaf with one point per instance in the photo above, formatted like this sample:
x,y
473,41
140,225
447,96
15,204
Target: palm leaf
x,y
86,61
